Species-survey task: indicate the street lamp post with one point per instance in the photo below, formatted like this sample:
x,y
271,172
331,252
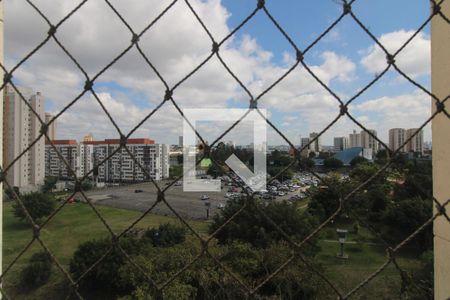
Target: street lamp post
x,y
342,236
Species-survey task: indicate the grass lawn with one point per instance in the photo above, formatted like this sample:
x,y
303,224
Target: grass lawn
x,y
73,225
77,223
364,259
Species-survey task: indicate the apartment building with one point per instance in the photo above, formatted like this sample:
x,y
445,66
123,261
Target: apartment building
x,y
55,165
89,155
368,141
416,142
340,143
151,160
315,146
354,139
397,138
51,131
21,127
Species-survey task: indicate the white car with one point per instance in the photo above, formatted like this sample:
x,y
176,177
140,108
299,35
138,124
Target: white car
x,y
204,197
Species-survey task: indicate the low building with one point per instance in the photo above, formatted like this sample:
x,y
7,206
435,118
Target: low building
x,y
347,155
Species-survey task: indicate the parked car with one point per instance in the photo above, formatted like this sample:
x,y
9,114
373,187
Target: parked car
x,y
281,194
220,205
268,197
204,197
138,191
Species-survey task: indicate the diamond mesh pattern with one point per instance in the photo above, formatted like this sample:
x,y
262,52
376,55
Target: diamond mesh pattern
x,y
169,98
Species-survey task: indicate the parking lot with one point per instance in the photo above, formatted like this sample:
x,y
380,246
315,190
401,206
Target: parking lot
x,y
188,204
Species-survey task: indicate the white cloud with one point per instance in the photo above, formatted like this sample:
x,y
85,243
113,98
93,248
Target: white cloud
x,y
175,45
404,111
414,59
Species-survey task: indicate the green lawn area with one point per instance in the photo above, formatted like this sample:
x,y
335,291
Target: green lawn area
x,y
364,258
74,224
77,223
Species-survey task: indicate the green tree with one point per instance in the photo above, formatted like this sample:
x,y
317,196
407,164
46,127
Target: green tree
x,y
381,156
180,159
87,185
305,163
253,227
324,200
104,275
10,192
49,184
214,170
286,174
415,185
166,235
332,163
363,171
36,272
324,155
38,205
404,217
358,160
175,171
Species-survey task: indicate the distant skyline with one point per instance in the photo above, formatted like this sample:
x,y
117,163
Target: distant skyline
x,y
346,59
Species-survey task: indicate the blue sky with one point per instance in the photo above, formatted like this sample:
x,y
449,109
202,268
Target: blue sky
x,y
346,59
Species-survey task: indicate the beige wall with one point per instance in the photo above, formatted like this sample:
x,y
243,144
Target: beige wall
x,y
1,135
440,68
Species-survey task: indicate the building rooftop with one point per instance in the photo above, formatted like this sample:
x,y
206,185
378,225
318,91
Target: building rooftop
x,y
347,155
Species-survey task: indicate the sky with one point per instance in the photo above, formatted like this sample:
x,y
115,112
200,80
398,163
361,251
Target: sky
x,y
345,59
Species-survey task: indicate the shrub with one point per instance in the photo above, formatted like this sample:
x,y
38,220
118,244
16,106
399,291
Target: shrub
x,y
37,272
38,205
166,235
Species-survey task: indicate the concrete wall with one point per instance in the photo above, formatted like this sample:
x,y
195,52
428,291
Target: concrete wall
x,y
440,74
1,135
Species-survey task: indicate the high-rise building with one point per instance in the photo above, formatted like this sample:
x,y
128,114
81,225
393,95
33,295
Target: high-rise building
x,y
21,127
54,165
416,142
340,143
304,142
354,139
180,141
316,146
88,138
368,141
85,162
51,131
152,160
396,139
89,155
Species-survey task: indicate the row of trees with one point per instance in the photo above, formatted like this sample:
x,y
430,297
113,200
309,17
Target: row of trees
x,y
250,246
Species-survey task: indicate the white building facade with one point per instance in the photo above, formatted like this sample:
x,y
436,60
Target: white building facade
x,y
340,143
368,141
57,167
21,127
150,160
